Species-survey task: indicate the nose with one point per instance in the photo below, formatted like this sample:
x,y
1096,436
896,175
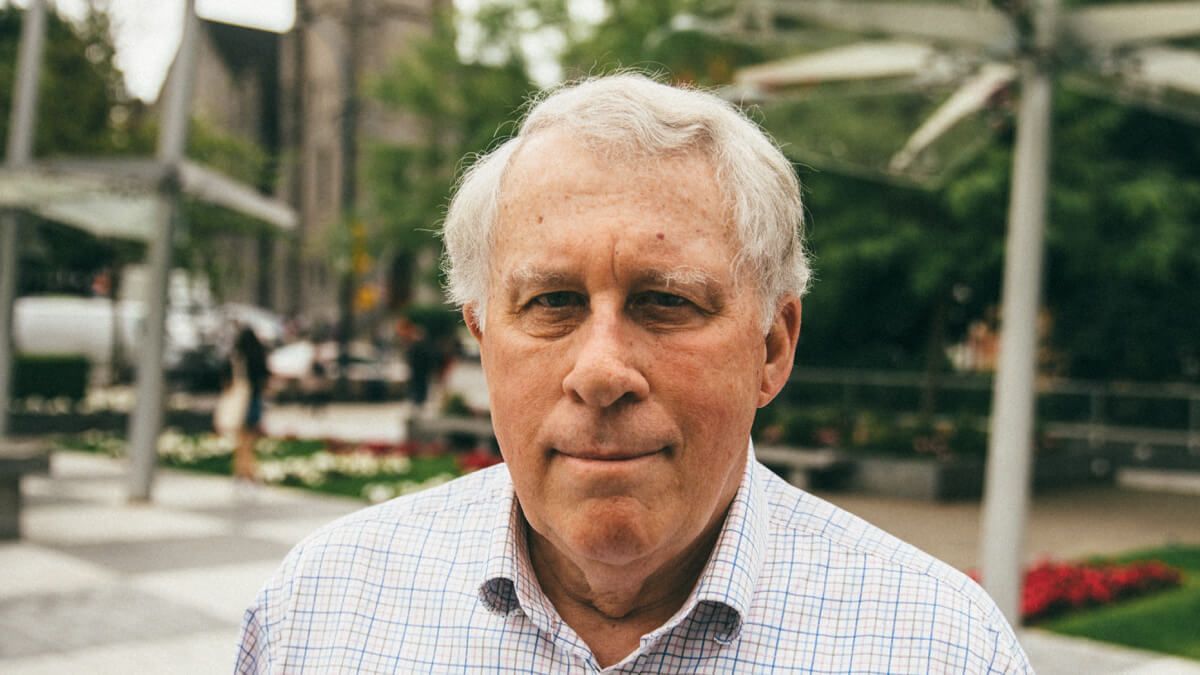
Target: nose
x,y
605,371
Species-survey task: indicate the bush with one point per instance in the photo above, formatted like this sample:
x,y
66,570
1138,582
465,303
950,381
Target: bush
x,y
869,431
51,376
436,320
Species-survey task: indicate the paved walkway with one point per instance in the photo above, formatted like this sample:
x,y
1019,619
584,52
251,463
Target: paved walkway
x,y
102,586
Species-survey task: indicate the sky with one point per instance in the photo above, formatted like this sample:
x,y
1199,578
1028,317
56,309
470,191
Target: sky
x,y
147,32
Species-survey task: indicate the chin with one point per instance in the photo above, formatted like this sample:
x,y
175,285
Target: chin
x,y
615,534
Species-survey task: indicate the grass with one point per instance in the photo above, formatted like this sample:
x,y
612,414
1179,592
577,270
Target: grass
x,y
1168,621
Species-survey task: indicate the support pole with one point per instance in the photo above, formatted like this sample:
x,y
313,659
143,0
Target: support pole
x,y
348,281
1006,489
21,129
146,421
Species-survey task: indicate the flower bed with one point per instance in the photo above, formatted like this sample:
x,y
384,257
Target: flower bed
x,y
1052,588
1164,621
373,471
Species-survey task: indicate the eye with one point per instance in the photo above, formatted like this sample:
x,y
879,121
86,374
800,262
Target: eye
x,y
660,300
558,300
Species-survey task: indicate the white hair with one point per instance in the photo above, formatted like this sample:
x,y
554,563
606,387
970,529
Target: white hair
x,y
632,115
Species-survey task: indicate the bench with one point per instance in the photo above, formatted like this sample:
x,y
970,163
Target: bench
x,y
17,458
799,464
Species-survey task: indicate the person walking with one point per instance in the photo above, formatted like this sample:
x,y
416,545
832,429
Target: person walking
x,y
241,406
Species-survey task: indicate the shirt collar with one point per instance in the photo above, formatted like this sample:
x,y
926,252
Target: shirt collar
x,y
509,583
722,596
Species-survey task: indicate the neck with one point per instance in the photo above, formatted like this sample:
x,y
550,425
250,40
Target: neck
x,y
612,607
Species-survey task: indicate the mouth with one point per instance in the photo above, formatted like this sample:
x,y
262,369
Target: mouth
x,y
610,455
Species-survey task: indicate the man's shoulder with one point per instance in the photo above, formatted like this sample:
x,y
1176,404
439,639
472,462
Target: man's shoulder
x,y
457,509
820,533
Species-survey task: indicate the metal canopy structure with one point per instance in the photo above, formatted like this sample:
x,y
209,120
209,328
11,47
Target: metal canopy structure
x,y
118,198
984,50
137,199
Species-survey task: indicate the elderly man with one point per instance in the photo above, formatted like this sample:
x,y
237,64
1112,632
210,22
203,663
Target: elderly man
x,y
632,266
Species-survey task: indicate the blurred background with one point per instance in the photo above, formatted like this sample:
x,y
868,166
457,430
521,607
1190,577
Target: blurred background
x,y
344,124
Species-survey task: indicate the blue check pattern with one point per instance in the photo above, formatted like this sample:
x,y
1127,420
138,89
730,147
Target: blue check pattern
x,y
440,582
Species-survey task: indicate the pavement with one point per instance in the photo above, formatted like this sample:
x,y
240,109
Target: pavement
x,y
100,585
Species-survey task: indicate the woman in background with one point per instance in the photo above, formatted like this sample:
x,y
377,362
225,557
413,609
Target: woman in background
x,y
248,362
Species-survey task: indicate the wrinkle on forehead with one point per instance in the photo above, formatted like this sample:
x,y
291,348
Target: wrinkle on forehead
x,y
535,158
541,275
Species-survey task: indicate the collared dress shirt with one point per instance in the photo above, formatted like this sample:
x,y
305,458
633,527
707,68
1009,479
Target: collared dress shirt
x,y
441,582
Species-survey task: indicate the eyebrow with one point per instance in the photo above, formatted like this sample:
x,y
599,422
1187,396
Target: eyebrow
x,y
691,278
529,275
685,277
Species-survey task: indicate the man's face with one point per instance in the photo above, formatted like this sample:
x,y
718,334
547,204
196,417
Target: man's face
x,y
623,361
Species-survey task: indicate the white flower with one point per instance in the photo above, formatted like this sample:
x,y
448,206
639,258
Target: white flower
x,y
407,487
323,462
169,442
358,464
267,446
396,464
271,472
378,492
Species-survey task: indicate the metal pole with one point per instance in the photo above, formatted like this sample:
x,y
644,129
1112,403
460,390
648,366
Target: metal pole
x,y
21,129
349,189
146,421
1006,490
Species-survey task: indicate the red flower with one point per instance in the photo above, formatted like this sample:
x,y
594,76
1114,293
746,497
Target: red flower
x,y
1052,587
479,458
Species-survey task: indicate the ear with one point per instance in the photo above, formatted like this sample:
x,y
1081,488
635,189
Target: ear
x,y
781,342
471,318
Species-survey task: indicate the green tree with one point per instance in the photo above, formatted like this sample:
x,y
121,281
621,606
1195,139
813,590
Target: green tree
x,y
80,84
459,109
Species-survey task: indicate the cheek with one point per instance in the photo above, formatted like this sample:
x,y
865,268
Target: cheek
x,y
711,379
522,386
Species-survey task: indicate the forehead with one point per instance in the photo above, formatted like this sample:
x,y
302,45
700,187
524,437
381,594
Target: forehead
x,y
555,185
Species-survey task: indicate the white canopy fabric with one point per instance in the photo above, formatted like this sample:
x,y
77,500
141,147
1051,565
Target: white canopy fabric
x,y
121,199
866,60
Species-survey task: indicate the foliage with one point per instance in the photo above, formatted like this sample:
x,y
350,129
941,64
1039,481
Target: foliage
x,y
438,321
79,87
894,434
647,36
371,471
901,270
197,245
50,376
1124,244
460,109
1164,622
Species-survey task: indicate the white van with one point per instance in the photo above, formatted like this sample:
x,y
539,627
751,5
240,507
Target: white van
x,y
107,333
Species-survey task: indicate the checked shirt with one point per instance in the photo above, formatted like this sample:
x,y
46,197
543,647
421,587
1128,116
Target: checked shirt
x,y
440,582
